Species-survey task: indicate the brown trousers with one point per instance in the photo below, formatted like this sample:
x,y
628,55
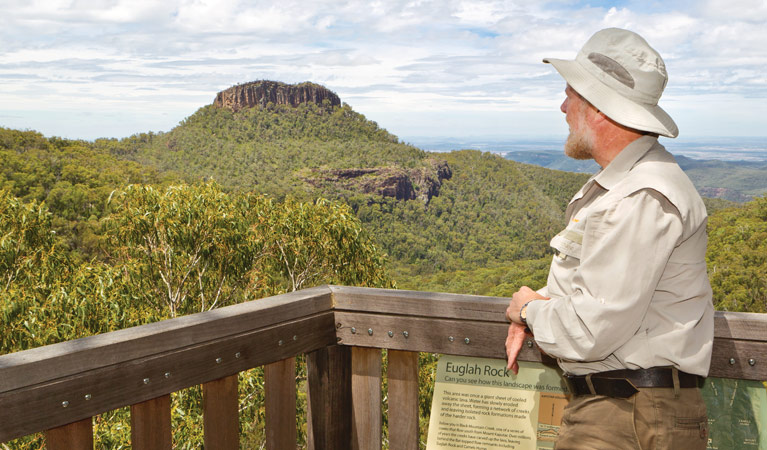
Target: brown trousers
x,y
652,419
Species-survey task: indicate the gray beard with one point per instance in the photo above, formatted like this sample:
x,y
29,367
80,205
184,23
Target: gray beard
x,y
579,146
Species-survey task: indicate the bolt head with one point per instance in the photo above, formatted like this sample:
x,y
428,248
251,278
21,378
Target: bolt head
x,y
530,344
167,374
88,397
146,380
466,341
64,404
238,355
732,361
219,360
406,334
280,342
450,338
390,333
370,331
295,338
354,330
751,362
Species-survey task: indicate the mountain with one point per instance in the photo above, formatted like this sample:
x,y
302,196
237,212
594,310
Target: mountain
x,y
430,211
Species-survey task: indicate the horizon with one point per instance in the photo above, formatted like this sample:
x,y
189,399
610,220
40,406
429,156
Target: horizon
x,y
450,69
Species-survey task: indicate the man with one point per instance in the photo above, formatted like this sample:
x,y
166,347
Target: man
x,y
627,310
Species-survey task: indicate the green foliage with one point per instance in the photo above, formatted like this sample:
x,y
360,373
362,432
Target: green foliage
x,y
261,149
737,257
187,249
492,211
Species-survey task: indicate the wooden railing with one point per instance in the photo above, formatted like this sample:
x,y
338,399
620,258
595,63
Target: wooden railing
x,y
59,388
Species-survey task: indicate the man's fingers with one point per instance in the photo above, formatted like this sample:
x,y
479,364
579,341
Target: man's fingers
x,y
514,341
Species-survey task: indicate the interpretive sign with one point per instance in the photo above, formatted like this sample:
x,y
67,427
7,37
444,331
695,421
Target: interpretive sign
x,y
478,404
737,414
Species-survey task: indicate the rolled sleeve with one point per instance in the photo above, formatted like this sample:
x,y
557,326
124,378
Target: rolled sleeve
x,y
624,250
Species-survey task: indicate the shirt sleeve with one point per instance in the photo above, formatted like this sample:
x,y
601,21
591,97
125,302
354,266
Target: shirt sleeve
x,y
624,252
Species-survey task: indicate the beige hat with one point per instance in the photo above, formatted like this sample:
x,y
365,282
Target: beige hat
x,y
621,75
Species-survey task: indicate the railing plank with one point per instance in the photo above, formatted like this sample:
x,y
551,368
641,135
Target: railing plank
x,y
221,414
21,369
280,391
39,407
74,436
403,400
366,398
150,424
486,340
329,373
416,303
428,335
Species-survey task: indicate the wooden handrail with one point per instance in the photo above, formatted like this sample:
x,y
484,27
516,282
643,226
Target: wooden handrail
x,y
48,387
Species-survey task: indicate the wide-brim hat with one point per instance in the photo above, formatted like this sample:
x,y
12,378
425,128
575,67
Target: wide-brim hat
x,y
623,77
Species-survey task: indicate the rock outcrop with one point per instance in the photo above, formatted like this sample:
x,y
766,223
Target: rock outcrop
x,y
260,93
403,184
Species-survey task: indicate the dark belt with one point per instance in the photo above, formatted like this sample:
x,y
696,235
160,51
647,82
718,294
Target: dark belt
x,y
625,383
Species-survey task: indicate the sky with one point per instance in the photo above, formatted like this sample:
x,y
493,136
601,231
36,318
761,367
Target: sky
x,y
421,69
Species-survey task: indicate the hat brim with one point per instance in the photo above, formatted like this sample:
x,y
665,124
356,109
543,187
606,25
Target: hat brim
x,y
628,113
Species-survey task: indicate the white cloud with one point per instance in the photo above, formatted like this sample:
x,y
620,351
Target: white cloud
x,y
428,57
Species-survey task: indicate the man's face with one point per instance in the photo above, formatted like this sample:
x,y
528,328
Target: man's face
x,y
580,141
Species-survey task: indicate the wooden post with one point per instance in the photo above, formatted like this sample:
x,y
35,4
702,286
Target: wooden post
x,y
403,400
150,424
329,373
366,398
74,436
280,387
221,414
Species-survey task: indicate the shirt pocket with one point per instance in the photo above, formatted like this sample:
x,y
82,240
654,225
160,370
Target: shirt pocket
x,y
568,242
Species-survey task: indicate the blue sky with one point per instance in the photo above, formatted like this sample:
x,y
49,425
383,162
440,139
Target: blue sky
x,y
452,69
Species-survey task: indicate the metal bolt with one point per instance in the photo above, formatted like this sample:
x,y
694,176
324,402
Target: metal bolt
x,y
751,362
530,344
354,330
237,355
64,404
406,334
466,341
339,325
167,374
88,397
295,338
370,331
146,380
732,361
450,338
219,360
280,342
390,333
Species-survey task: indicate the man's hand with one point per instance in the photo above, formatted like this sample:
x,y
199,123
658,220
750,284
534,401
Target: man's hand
x,y
518,300
514,342
516,337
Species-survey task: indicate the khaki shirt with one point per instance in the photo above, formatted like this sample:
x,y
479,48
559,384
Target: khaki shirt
x,y
628,284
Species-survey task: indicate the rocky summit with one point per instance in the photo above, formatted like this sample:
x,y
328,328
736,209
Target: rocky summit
x,y
403,184
261,93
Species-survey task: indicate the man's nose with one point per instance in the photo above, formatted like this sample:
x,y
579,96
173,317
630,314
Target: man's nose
x,y
563,106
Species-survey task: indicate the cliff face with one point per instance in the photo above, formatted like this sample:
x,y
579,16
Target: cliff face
x,y
259,93
402,184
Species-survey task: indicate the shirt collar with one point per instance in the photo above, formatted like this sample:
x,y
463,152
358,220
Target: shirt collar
x,y
624,161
